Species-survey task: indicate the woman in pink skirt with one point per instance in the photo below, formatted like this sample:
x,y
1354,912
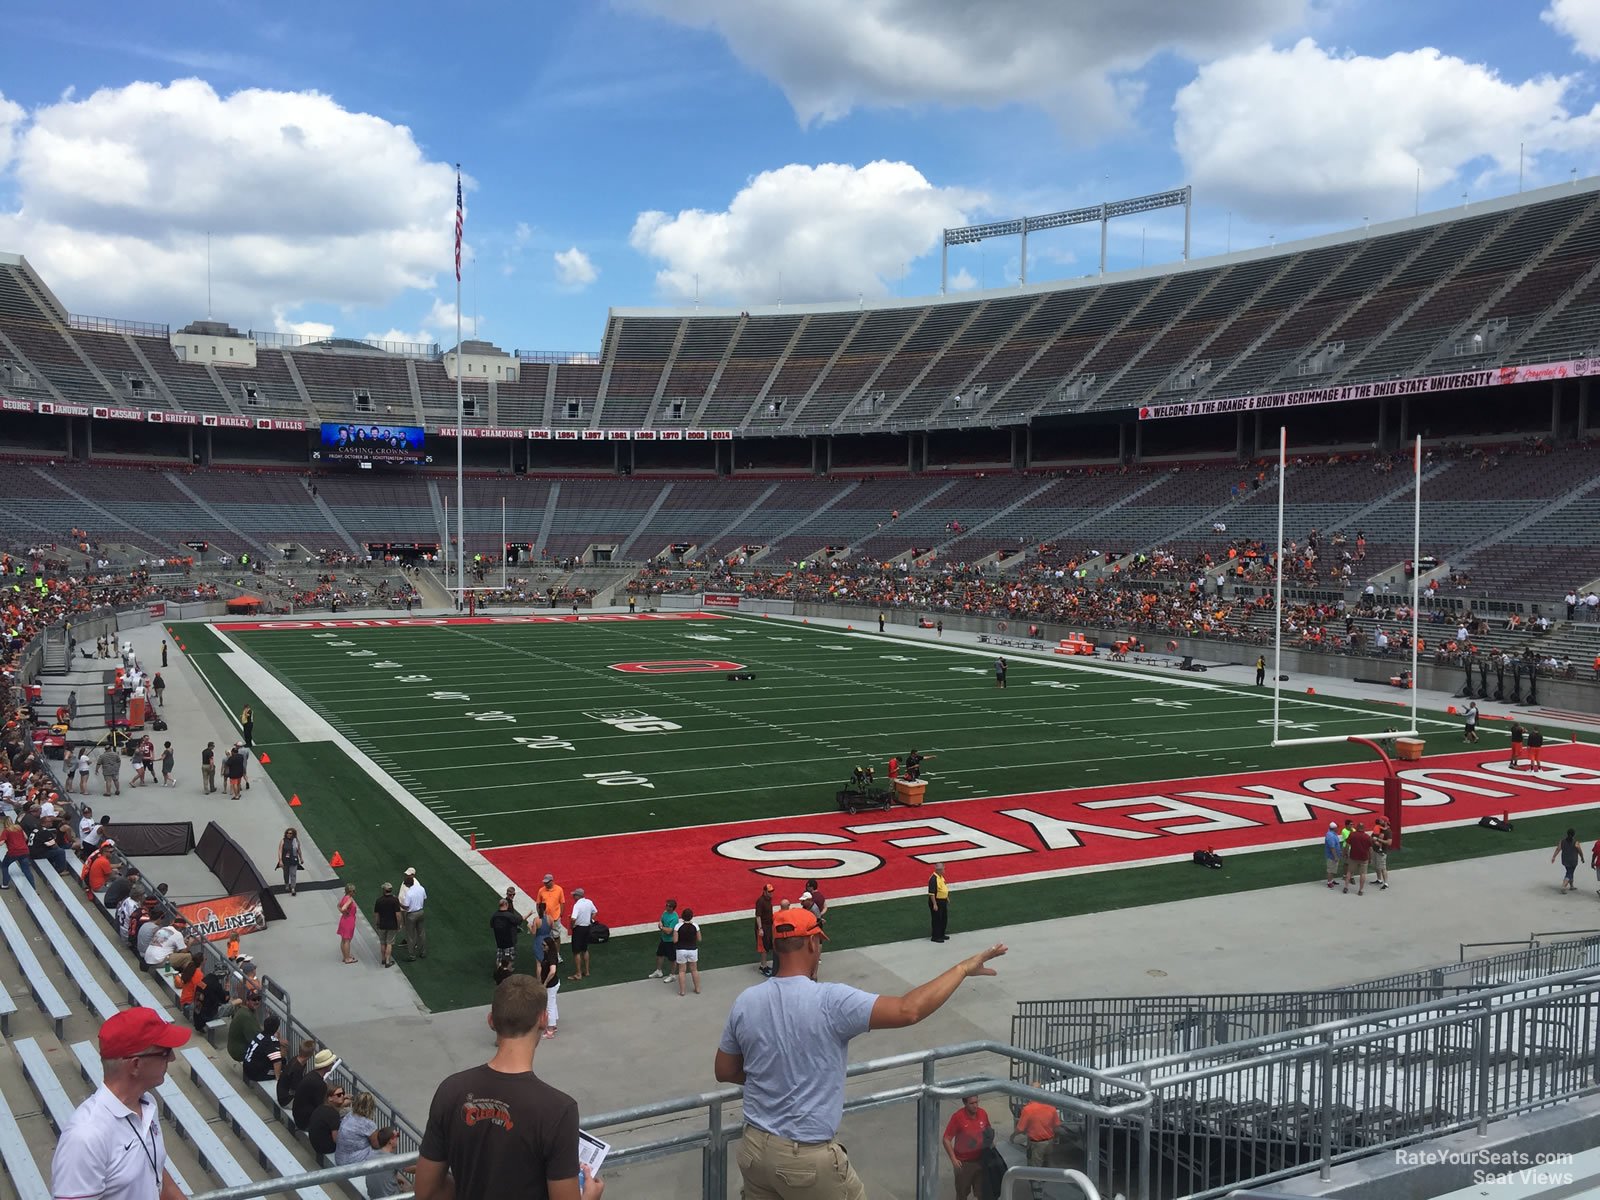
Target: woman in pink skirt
x,y
347,921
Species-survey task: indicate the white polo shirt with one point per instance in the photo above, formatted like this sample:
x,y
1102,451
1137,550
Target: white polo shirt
x,y
109,1152
416,896
583,912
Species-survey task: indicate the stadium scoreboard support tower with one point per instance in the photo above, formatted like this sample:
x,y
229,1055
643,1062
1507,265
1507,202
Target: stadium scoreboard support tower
x,y
1020,227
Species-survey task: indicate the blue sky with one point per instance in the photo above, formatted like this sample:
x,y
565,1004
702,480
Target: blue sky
x,y
630,152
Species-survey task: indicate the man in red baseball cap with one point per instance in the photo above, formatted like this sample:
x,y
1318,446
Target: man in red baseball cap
x,y
111,1149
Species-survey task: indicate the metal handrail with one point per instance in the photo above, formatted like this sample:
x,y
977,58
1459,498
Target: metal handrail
x,y
1307,1087
714,1139
1048,1175
1586,977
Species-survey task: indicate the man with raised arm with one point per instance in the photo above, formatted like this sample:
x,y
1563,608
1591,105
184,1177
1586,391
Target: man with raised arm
x,y
786,1042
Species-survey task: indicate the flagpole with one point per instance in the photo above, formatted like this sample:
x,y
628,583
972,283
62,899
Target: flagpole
x,y
504,551
461,420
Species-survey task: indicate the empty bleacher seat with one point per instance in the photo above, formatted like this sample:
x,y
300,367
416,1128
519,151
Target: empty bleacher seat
x,y
49,999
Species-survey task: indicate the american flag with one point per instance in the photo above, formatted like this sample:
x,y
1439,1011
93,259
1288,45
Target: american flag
x,y
458,224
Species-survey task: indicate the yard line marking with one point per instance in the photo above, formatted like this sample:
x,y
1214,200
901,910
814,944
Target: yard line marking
x,y
305,724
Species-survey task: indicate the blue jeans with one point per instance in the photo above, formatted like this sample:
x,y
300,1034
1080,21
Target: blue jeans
x,y
5,868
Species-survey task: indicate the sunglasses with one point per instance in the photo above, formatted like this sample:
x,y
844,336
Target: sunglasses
x,y
166,1053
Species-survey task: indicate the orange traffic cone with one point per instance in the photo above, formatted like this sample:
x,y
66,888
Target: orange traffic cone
x,y
294,801
1311,691
337,860
264,759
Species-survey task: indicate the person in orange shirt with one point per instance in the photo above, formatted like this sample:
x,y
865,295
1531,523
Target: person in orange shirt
x,y
554,897
97,871
1039,1122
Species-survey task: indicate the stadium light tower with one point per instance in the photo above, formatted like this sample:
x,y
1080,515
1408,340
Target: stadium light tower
x,y
1020,227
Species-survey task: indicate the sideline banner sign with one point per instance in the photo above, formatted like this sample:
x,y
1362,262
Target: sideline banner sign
x,y
225,917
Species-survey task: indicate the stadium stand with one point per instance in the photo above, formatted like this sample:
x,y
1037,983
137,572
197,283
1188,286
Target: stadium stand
x,y
52,1050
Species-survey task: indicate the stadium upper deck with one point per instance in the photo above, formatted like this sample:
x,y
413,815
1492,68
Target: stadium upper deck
x,y
1507,281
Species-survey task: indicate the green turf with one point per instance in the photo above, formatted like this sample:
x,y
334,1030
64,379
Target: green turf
x,y
811,711
441,709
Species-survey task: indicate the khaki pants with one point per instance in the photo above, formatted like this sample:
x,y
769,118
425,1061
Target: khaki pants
x,y
208,776
969,1179
416,935
1039,1153
775,1168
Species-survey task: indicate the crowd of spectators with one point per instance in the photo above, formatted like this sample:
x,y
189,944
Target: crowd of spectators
x,y
1202,594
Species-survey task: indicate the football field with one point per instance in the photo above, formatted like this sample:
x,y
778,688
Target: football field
x,y
522,733
617,753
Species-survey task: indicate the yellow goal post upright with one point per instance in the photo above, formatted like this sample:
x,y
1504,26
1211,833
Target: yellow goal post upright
x,y
1375,739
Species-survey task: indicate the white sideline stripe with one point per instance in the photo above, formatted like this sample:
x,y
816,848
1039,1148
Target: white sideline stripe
x,y
308,727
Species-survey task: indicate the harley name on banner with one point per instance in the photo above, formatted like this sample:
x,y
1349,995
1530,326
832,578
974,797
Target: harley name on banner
x,y
1493,377
225,917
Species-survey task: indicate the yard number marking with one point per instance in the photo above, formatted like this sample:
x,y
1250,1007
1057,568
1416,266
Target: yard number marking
x,y
544,741
619,779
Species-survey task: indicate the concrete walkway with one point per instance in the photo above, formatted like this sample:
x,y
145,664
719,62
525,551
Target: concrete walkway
x,y
632,1043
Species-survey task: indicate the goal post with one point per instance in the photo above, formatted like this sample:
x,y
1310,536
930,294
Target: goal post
x,y
1278,608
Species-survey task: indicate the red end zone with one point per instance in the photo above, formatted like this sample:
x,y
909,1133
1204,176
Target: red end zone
x,y
720,868
422,622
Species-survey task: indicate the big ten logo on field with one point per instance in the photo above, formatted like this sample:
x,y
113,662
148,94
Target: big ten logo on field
x,y
632,720
677,666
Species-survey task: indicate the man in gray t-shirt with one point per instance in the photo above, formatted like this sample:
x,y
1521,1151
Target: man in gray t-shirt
x,y
786,1042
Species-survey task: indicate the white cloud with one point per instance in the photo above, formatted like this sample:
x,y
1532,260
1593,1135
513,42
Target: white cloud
x,y
1578,20
803,233
310,329
1072,57
11,118
1303,134
573,268
305,202
963,281
437,326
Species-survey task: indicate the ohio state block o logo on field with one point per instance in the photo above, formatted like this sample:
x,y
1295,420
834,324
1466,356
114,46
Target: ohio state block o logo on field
x,y
676,666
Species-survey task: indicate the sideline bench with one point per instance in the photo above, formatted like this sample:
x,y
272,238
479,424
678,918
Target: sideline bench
x,y
235,1108
114,956
43,990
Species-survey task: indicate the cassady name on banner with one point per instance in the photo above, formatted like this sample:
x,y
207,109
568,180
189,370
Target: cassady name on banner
x,y
720,868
